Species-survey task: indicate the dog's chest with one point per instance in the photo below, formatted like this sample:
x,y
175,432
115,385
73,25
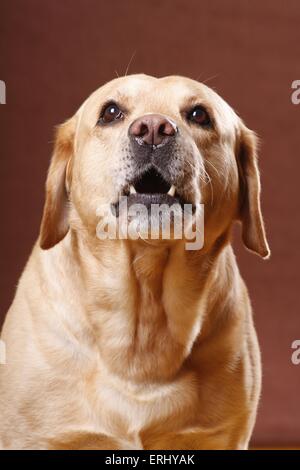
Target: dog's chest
x,y
119,408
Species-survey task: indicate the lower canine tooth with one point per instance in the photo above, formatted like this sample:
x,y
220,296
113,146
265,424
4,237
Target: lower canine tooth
x,y
132,190
172,190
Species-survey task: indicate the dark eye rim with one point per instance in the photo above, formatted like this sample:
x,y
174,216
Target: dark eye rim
x,y
106,105
206,124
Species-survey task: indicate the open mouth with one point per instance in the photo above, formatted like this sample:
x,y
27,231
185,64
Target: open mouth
x,y
150,188
152,182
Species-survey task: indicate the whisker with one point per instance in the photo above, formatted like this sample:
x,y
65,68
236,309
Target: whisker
x,y
129,63
211,78
207,180
207,79
207,161
211,187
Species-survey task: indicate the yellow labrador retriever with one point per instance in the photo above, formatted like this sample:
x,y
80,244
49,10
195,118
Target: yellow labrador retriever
x,y
128,342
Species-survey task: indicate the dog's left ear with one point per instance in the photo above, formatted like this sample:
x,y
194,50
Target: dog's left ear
x,y
55,223
253,230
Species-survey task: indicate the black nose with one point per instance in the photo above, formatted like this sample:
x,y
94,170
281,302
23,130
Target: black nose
x,y
152,129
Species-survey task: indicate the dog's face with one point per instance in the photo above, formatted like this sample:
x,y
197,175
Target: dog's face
x,y
156,141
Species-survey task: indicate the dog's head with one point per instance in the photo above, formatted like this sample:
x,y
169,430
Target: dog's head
x,y
156,141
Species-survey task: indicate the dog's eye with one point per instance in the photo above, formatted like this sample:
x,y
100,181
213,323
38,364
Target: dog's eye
x,y
200,116
110,113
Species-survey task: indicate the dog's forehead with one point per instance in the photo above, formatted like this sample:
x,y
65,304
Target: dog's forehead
x,y
145,87
160,94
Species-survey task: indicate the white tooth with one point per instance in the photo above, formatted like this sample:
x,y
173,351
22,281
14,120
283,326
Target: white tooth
x,y
132,190
172,190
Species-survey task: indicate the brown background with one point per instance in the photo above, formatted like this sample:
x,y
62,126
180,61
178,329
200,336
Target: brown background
x,y
54,53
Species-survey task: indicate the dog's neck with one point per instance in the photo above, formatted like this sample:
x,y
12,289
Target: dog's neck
x,y
146,304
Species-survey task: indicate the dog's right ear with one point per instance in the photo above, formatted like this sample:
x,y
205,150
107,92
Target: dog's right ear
x,y
253,231
55,223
